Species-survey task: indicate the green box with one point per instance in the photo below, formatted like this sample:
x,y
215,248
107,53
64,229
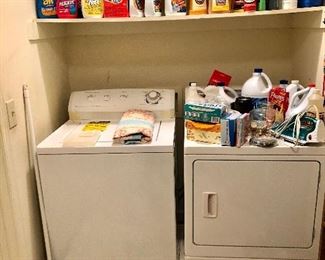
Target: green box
x,y
208,113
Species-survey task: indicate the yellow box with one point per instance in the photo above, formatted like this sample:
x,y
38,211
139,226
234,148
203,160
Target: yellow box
x,y
203,132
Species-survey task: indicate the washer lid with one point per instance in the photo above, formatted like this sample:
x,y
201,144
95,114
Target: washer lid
x,y
162,140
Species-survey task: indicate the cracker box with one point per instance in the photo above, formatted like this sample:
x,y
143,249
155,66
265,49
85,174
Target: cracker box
x,y
203,132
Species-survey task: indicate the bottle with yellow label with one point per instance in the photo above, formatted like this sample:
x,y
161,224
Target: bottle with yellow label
x,y
92,8
198,7
219,6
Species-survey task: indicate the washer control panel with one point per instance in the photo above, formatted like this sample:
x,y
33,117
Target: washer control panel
x,y
109,102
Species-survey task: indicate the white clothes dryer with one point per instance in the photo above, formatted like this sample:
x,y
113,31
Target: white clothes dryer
x,y
253,203
104,200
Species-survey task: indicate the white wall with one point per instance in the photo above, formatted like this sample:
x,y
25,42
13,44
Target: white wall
x,y
24,62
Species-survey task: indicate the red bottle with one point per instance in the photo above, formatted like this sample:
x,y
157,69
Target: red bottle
x,y
249,5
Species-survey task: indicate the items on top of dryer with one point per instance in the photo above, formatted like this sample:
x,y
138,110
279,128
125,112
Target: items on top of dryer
x,y
135,127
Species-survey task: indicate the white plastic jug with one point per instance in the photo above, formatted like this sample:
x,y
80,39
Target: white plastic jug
x,y
220,94
257,86
192,95
283,83
293,88
295,107
317,100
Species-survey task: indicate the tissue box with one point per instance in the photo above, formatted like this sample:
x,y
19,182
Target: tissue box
x,y
203,132
208,113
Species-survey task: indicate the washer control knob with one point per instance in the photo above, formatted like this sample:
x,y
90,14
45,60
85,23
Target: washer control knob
x,y
153,97
123,96
90,97
107,97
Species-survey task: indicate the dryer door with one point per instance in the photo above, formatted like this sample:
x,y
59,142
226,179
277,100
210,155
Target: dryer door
x,y
255,203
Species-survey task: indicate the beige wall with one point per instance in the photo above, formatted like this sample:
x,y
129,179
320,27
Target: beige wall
x,y
24,62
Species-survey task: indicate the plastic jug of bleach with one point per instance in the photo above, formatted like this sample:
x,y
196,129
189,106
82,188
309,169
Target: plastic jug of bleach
x,y
257,87
192,94
296,107
316,99
219,94
293,88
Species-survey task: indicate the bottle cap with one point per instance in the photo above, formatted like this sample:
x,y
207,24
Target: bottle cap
x,y
220,83
283,81
258,70
311,85
294,81
192,84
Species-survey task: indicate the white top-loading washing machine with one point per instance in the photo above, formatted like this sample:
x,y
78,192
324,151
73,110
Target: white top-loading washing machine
x,y
109,201
253,203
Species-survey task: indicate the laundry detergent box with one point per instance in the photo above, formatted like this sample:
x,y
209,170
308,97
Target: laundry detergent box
x,y
208,113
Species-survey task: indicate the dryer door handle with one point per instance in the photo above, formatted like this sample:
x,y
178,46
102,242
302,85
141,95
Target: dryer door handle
x,y
210,202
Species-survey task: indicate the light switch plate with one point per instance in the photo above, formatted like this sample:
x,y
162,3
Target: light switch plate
x,y
11,113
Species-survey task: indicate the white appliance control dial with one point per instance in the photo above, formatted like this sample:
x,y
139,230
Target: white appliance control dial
x,y
90,97
153,97
123,96
107,97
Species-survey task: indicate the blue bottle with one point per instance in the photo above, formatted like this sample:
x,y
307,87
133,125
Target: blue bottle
x,y
309,3
46,8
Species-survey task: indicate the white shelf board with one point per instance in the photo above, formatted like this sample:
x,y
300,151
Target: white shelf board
x,y
181,17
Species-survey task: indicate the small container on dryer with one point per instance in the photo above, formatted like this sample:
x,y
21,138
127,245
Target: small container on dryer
x,y
194,94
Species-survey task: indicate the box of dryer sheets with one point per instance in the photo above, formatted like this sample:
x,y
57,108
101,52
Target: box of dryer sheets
x,y
208,113
228,128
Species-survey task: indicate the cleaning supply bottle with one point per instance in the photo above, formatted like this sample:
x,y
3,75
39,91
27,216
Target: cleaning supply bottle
x,y
92,8
219,94
278,101
46,8
317,100
288,4
192,96
257,87
296,107
293,88
283,83
261,5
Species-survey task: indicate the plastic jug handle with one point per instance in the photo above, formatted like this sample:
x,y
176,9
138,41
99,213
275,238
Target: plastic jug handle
x,y
316,110
232,91
200,88
300,87
268,81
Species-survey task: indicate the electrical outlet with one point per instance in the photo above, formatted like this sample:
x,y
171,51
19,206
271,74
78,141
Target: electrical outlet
x,y
11,113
